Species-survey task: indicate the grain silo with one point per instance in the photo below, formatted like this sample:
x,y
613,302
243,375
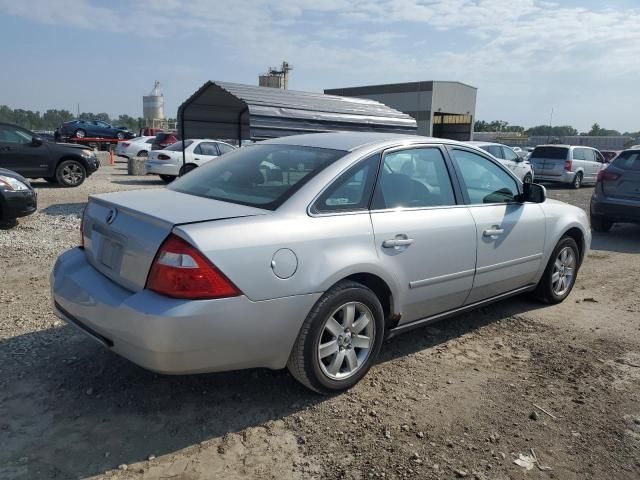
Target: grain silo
x,y
153,106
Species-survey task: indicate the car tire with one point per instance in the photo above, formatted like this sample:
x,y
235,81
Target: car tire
x,y
79,133
186,169
527,178
143,154
71,173
600,224
348,354
120,136
550,289
167,178
577,181
51,179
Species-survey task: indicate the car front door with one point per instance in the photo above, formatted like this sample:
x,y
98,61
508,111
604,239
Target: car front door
x,y
422,232
510,234
20,154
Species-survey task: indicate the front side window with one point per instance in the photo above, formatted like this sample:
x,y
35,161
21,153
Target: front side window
x,y
494,150
207,148
510,154
417,177
589,155
352,191
483,180
13,135
261,175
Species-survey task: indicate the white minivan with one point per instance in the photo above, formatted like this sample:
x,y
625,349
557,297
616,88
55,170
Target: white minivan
x,y
567,164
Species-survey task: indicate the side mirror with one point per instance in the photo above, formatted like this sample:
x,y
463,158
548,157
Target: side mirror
x,y
36,141
532,192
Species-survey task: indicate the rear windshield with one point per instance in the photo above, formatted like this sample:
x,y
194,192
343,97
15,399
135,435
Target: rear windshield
x,y
178,146
261,176
160,137
555,153
629,160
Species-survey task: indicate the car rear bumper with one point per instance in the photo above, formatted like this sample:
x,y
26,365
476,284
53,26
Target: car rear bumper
x,y
616,209
161,168
174,336
565,177
18,204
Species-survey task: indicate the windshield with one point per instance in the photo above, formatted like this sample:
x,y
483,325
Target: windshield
x,y
555,153
178,146
262,176
629,160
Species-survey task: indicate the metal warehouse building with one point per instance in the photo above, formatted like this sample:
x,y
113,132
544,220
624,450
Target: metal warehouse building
x,y
441,109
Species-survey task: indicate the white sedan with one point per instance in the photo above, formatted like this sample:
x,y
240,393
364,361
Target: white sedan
x,y
168,163
135,147
509,158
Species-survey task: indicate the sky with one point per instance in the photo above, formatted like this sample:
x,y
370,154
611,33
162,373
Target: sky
x,y
526,57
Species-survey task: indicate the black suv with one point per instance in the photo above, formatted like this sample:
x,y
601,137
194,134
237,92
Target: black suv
x,y
26,153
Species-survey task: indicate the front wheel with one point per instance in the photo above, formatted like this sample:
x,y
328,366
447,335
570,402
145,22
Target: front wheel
x,y
71,173
559,277
339,340
120,135
577,181
167,178
527,178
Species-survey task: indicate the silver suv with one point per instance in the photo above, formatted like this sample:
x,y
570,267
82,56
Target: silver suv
x,y
566,164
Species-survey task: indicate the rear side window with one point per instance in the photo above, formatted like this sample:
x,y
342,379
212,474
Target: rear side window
x,y
413,178
177,147
629,160
554,153
352,191
261,175
578,154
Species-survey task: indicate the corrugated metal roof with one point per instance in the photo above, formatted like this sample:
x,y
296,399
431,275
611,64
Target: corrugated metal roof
x,y
231,111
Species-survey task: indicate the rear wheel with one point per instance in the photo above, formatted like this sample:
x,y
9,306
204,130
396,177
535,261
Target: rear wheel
x,y
600,224
339,340
187,168
559,277
577,181
167,178
143,153
70,173
79,133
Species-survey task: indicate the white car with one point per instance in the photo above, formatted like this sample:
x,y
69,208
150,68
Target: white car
x,y
509,158
135,147
168,163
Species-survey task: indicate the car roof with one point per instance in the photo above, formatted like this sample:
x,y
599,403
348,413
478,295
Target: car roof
x,y
351,141
479,143
562,145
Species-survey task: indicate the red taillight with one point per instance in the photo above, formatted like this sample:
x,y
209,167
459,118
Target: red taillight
x,y
568,165
162,156
607,176
181,271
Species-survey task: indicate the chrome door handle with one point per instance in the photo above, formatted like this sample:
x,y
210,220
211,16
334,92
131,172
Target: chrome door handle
x,y
397,242
493,232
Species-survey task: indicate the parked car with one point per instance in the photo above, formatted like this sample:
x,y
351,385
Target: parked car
x,y
164,140
566,164
509,158
616,197
24,152
17,197
609,155
168,162
93,128
136,147
225,269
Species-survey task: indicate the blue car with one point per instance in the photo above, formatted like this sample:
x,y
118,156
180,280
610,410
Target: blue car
x,y
93,128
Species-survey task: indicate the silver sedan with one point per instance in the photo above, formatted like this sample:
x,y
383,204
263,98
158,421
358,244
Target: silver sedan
x,y
308,251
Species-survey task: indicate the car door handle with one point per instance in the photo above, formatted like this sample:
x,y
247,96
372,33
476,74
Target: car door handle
x,y
397,242
493,232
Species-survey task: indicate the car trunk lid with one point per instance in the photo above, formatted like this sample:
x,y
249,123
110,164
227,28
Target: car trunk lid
x,y
123,231
622,178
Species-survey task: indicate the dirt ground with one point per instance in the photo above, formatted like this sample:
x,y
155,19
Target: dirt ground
x,y
462,398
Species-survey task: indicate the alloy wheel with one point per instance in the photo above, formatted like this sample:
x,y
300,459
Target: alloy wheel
x,y
346,341
72,174
563,273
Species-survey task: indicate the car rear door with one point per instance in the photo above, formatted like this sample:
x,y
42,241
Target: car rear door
x,y
510,234
422,232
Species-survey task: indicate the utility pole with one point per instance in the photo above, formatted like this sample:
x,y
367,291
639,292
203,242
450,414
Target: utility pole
x,y
550,124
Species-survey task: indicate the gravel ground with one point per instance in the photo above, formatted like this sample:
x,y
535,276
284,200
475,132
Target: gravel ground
x,y
460,399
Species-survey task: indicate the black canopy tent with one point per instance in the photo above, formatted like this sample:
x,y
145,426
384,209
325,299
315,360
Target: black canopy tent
x,y
237,112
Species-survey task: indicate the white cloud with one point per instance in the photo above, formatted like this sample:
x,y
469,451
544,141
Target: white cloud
x,y
539,51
